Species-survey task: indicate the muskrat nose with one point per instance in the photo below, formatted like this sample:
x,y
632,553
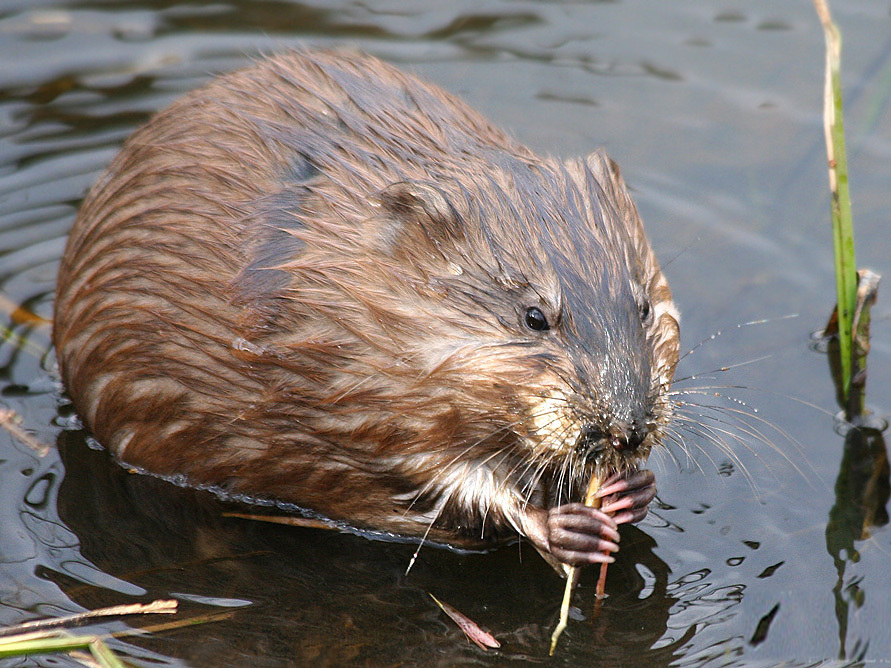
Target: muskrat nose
x,y
628,435
620,435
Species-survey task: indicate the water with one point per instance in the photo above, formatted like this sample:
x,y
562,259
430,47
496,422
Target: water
x,y
713,110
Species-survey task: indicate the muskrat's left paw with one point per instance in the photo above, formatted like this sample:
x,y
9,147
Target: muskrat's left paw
x,y
579,534
627,499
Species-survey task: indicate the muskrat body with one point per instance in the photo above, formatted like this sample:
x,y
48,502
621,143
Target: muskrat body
x,y
323,281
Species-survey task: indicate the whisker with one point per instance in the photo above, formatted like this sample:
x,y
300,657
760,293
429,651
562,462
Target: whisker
x,y
666,451
760,436
675,439
717,435
709,434
781,395
744,411
722,369
414,556
721,332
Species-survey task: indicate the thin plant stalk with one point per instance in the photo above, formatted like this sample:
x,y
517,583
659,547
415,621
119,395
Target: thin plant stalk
x,y
600,592
48,644
572,572
842,222
43,636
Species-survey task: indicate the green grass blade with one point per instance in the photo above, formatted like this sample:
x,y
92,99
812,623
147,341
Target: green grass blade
x,y
103,654
39,643
13,647
842,222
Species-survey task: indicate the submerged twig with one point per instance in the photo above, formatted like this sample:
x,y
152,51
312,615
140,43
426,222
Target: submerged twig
x,y
572,572
45,636
10,421
161,606
21,315
600,592
305,522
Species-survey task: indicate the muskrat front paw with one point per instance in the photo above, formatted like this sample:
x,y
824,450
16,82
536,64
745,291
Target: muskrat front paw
x,y
627,499
579,534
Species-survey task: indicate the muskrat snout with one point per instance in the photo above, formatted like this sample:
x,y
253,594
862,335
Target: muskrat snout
x,y
622,436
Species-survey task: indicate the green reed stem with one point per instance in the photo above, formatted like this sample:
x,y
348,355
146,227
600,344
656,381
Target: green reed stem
x,y
842,222
65,643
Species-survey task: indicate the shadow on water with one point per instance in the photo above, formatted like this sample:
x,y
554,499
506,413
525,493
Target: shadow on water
x,y
328,598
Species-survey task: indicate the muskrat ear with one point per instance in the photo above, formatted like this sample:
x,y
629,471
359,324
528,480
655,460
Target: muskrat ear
x,y
607,172
419,213
614,195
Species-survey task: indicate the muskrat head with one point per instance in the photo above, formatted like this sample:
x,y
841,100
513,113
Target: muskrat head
x,y
528,327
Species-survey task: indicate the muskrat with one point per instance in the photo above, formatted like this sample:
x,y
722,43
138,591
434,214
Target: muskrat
x,y
322,281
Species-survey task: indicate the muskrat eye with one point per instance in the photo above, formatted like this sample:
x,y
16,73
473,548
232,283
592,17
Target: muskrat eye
x,y
646,312
536,320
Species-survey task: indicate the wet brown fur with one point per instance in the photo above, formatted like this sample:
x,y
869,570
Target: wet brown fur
x,y
306,281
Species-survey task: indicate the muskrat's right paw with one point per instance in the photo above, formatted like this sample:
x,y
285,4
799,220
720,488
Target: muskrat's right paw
x,y
579,534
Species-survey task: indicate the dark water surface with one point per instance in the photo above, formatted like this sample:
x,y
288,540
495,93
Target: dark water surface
x,y
713,109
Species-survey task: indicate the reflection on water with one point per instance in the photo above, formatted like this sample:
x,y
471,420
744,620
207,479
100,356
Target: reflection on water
x,y
303,587
713,111
861,508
